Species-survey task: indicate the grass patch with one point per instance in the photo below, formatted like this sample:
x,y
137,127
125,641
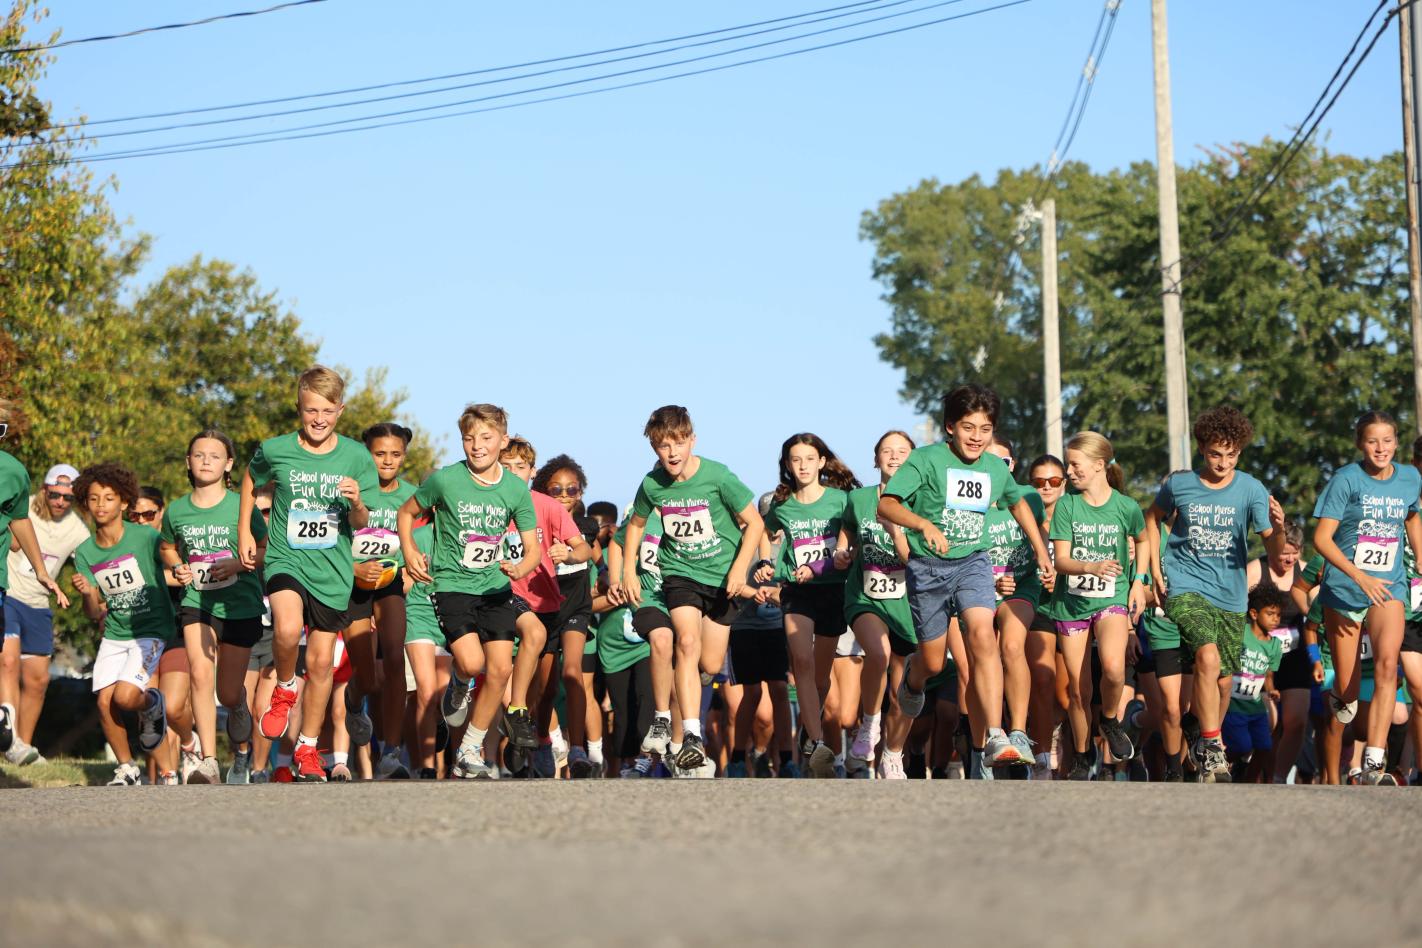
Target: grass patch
x,y
57,773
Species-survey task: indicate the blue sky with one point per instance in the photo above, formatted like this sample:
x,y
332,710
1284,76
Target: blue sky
x,y
692,242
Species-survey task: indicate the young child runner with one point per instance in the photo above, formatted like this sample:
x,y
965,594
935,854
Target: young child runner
x,y
423,643
808,507
652,623
261,673
711,531
120,573
876,607
220,613
626,661
474,502
1363,514
1248,736
321,478
942,495
1092,532
1294,679
378,601
1047,476
1202,572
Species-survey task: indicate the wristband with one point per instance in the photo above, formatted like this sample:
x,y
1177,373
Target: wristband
x,y
1313,654
760,563
1143,578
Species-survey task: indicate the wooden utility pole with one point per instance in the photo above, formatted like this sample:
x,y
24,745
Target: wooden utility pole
x,y
1410,41
1051,337
1177,407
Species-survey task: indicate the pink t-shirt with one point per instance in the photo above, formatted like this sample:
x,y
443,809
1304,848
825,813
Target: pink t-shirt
x,y
540,588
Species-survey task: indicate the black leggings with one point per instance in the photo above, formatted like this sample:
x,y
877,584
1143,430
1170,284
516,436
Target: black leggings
x,y
631,693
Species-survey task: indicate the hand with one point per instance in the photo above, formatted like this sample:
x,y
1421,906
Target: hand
x,y
1157,582
1375,589
247,551
55,591
842,559
510,569
349,488
734,582
1274,695
631,587
559,553
416,565
616,595
225,568
934,539
1047,571
1006,584
1106,569
183,573
802,574
1318,673
81,585
367,572
1133,649
764,574
767,594
1276,514
1137,601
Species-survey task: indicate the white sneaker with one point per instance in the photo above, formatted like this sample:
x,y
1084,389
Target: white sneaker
x,y
126,774
891,766
392,767
21,754
188,766
153,723
470,764
206,772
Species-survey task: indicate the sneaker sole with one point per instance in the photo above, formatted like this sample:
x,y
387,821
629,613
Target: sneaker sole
x,y
302,778
1007,758
359,728
689,759
582,770
242,733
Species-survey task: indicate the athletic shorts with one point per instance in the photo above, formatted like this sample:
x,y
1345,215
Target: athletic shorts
x,y
1295,671
261,655
575,614
315,613
647,619
491,616
821,603
363,600
1170,662
897,630
1246,733
1411,635
239,633
1078,626
424,631
759,655
940,589
557,625
1203,623
33,627
1145,663
711,601
134,661
1355,616
900,646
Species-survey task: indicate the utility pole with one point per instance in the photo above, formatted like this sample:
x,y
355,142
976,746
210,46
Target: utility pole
x,y
1177,408
1051,337
1410,41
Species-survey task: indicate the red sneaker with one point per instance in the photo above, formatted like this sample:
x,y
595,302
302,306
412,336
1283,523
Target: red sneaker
x,y
282,775
275,717
308,764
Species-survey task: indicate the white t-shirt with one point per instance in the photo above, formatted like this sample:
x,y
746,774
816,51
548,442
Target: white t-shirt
x,y
57,541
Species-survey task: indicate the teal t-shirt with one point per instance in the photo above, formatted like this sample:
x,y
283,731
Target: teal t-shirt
x,y
1256,660
470,520
875,581
700,533
1009,550
1370,515
205,535
955,495
618,646
1096,534
130,576
1209,546
310,538
811,533
380,538
14,495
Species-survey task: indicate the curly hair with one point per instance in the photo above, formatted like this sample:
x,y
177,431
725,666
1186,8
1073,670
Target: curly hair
x,y
1223,425
561,462
835,474
110,474
1265,595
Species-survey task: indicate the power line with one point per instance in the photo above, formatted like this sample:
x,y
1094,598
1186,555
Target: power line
x,y
237,141
155,29
1081,98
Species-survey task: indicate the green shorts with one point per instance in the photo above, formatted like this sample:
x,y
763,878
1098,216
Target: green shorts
x,y
1352,615
1203,623
1029,591
425,632
1160,631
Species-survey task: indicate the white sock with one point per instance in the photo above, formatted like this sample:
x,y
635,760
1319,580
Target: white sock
x,y
595,751
692,726
304,741
664,715
673,748
473,738
871,721
288,685
893,754
341,757
1374,756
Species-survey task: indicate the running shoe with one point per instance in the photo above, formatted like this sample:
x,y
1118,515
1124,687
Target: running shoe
x,y
1081,765
206,772
7,726
241,770
340,773
275,717
821,761
736,769
261,776
189,760
707,770
560,751
358,724
470,765
790,770
910,703
840,773
542,763
427,773
999,750
1190,731
283,774
640,768
1212,762
1343,711
169,779
126,774
863,746
239,722
1130,721
1116,738
454,706
391,767
441,736
516,760
1376,775
693,753
579,766
1174,776
1023,743
153,722
857,768
891,766
21,754
658,737
306,765
519,728
1042,767
760,766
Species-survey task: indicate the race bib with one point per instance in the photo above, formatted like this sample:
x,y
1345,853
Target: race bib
x,y
1376,554
567,569
312,529
513,547
812,550
884,582
1365,648
969,490
479,552
1416,594
1092,587
202,564
1288,638
116,577
688,524
373,543
647,555
1248,687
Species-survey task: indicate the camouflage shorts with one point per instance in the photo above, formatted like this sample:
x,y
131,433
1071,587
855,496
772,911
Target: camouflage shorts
x,y
1203,623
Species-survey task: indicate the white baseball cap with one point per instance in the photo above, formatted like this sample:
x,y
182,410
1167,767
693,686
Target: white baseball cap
x,y
53,475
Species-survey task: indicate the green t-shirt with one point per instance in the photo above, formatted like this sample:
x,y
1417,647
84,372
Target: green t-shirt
x,y
470,520
1414,584
941,487
380,538
419,610
649,571
1160,631
1009,550
205,535
875,581
14,496
811,534
1096,534
700,535
310,538
130,575
1256,660
618,647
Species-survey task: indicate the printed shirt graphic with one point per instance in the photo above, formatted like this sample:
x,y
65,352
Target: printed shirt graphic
x,y
618,646
700,535
941,487
310,538
204,537
129,575
876,580
470,521
1008,549
14,495
1207,550
1256,660
811,534
1096,534
1370,515
379,539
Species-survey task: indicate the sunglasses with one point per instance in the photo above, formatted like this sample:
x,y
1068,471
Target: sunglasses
x,y
140,516
573,490
1048,481
56,495
4,429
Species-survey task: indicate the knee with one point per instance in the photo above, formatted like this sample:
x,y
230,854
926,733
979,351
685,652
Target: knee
x,y
1013,652
689,647
1044,680
34,675
931,664
661,642
1113,670
9,661
573,676
1384,668
318,666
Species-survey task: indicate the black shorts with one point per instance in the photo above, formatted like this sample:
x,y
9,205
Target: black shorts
x,y
1174,661
1129,678
363,600
1295,671
901,646
647,620
711,601
1044,623
1411,638
575,614
589,661
759,655
491,616
239,633
821,603
316,614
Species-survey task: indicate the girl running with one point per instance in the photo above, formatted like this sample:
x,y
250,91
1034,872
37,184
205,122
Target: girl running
x,y
1294,679
1047,476
429,658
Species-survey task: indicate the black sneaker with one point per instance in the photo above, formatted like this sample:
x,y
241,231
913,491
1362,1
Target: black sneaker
x,y
693,753
358,726
441,735
520,729
1117,739
1190,729
1174,776
760,766
7,727
1081,765
915,766
427,773
516,761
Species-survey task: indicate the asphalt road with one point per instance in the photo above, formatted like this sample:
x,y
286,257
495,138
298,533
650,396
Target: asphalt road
x,y
703,862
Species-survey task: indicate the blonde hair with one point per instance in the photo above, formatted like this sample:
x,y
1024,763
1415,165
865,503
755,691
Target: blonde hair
x,y
668,423
491,416
521,449
1096,447
7,408
319,380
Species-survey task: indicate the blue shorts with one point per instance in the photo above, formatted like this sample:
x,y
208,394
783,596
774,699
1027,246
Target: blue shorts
x,y
940,589
33,627
1247,733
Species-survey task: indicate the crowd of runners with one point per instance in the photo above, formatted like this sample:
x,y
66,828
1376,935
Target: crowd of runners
x,y
963,615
